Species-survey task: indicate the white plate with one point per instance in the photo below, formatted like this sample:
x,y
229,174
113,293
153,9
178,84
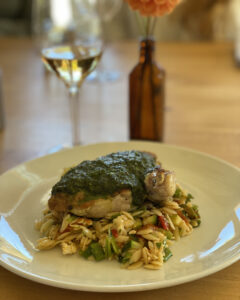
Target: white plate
x,y
212,247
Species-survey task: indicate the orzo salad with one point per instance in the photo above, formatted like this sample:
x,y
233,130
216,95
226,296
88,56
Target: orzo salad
x,y
121,206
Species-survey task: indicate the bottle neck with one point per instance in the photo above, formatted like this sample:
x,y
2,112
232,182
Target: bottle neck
x,y
147,48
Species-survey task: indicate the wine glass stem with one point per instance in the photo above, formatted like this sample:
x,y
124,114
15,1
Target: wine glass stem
x,y
74,112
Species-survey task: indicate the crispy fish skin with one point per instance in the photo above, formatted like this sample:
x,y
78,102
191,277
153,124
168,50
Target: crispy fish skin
x,y
95,208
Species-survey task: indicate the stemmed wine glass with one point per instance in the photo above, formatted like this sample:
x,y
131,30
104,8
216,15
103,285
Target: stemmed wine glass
x,y
70,50
73,63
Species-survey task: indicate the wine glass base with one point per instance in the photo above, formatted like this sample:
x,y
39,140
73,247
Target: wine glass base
x,y
103,76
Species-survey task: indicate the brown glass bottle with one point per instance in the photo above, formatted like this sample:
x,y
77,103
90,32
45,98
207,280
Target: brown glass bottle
x,y
146,96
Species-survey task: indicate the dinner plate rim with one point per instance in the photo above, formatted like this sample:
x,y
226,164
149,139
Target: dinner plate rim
x,y
118,288
129,287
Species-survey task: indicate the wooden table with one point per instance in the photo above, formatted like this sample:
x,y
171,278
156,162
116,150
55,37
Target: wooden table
x,y
202,112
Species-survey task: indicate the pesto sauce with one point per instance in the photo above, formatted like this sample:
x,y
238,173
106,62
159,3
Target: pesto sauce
x,y
107,175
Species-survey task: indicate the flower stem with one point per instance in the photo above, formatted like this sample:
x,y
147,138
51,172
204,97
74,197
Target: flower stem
x,y
153,25
148,26
140,23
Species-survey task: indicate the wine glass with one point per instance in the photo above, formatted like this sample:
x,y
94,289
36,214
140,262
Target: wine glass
x,y
72,63
70,47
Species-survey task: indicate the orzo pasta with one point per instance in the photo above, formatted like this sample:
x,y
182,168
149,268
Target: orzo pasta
x,y
137,238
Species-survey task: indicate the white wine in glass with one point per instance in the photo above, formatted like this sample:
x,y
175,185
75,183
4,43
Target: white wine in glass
x,y
72,63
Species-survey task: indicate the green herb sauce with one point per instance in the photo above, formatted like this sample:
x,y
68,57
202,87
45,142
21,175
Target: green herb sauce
x,y
107,175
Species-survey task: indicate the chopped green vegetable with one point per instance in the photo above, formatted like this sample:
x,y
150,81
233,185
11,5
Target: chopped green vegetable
x,y
189,197
167,254
125,258
97,251
167,233
126,254
108,248
158,245
137,223
176,219
127,246
94,249
114,245
135,245
131,244
195,207
134,237
86,253
192,214
150,220
111,246
178,193
195,223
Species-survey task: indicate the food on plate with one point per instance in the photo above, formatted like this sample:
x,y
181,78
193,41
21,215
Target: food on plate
x,y
122,206
111,183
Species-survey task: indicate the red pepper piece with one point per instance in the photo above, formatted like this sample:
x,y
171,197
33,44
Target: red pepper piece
x,y
163,222
182,216
114,233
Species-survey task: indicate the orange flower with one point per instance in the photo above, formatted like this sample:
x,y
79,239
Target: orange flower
x,y
153,8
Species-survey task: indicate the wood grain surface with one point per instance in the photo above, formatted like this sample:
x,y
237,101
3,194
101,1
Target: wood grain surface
x,y
202,113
